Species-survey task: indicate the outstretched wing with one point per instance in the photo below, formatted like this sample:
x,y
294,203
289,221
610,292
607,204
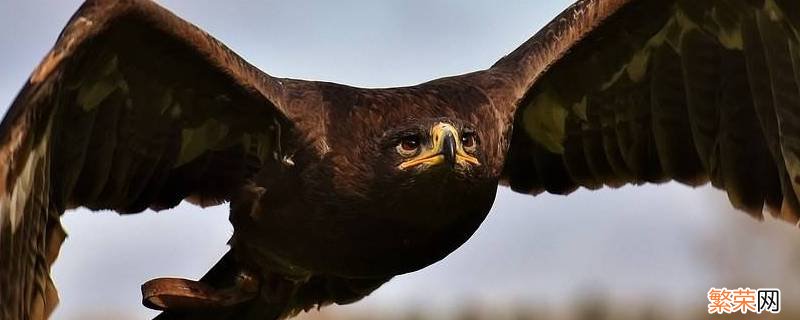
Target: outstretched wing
x,y
132,109
624,91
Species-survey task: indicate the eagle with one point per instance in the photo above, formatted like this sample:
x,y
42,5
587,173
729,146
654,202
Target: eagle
x,y
334,189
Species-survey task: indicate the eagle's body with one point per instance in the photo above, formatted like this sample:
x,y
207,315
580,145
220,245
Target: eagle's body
x,y
335,189
351,229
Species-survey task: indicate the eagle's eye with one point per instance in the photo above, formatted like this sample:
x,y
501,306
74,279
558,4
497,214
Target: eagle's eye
x,y
469,141
408,146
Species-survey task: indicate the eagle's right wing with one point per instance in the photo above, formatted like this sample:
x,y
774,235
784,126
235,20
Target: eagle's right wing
x,y
133,108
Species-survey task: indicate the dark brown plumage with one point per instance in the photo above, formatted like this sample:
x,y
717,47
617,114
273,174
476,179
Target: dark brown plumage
x,y
335,189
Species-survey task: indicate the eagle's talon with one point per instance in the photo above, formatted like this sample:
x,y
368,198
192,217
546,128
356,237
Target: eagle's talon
x,y
171,294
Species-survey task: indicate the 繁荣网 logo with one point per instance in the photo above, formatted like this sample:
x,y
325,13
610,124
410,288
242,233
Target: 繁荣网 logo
x,y
744,300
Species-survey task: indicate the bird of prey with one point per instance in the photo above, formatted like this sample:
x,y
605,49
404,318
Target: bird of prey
x,y
334,190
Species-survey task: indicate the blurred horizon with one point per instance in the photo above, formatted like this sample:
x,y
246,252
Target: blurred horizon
x,y
638,252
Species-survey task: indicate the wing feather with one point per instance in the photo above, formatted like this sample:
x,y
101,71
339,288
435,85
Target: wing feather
x,y
132,109
650,91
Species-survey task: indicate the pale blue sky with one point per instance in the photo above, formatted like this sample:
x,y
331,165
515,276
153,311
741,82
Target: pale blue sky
x,y
635,241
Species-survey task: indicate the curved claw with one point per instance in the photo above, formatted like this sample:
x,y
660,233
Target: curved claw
x,y
171,294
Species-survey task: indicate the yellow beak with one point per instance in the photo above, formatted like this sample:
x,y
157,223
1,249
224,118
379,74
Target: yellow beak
x,y
446,148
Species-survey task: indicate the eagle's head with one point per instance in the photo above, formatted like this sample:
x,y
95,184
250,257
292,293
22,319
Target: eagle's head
x,y
425,165
383,160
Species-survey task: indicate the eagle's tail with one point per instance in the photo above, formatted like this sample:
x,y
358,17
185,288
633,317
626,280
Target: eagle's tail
x,y
229,292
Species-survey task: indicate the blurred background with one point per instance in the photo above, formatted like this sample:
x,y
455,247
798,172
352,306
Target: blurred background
x,y
648,252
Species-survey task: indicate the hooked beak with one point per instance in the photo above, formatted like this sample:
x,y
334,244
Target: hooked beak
x,y
449,149
445,148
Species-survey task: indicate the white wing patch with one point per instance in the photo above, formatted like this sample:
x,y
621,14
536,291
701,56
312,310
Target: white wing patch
x,y
14,203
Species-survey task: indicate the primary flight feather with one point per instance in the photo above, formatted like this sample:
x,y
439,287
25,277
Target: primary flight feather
x,y
335,189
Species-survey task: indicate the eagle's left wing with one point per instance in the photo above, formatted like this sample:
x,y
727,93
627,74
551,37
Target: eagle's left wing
x,y
614,92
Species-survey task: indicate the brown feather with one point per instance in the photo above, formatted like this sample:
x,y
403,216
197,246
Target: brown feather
x,y
701,90
117,117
